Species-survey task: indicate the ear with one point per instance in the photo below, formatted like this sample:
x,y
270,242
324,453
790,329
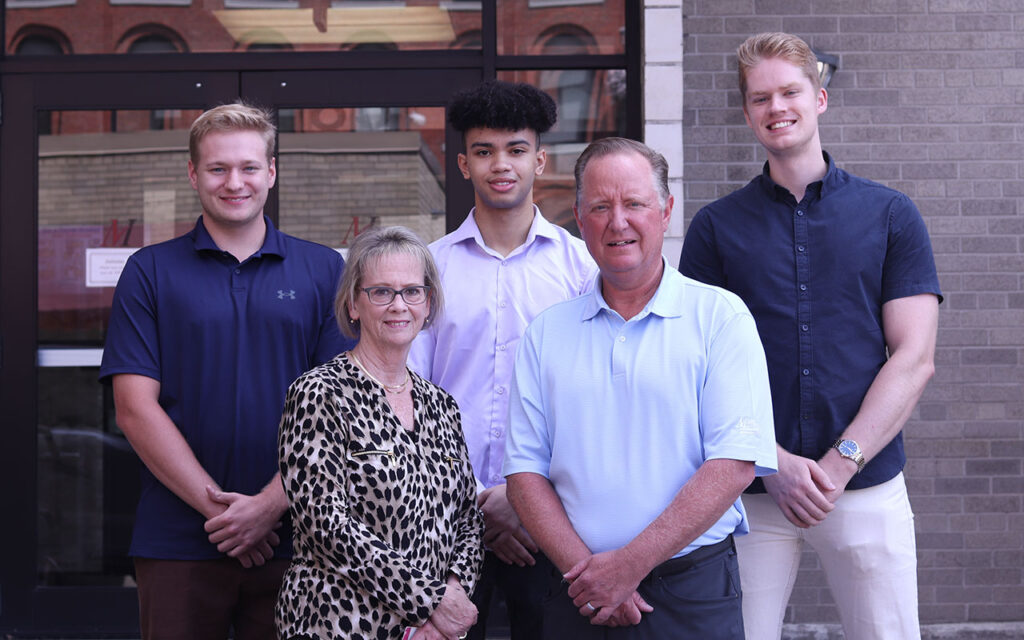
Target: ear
x,y
464,165
351,306
193,178
822,101
576,216
272,171
542,161
666,215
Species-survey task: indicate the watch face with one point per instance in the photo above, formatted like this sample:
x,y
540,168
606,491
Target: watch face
x,y
848,448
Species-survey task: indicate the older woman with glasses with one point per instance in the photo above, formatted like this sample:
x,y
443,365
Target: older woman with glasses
x,y
382,496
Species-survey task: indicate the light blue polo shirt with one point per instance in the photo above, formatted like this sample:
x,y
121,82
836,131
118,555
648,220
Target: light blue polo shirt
x,y
224,339
618,414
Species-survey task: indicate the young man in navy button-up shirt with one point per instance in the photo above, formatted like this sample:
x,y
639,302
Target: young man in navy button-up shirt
x,y
839,275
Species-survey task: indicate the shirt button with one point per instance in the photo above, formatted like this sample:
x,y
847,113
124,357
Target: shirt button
x,y
504,263
806,372
238,271
501,347
496,478
503,304
799,212
804,327
500,390
622,338
496,433
803,287
800,248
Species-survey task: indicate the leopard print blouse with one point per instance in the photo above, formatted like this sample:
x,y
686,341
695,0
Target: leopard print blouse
x,y
382,515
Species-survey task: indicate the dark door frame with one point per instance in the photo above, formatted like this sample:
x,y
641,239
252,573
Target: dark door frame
x,y
184,81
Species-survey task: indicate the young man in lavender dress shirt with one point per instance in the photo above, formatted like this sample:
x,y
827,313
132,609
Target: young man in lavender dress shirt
x,y
503,266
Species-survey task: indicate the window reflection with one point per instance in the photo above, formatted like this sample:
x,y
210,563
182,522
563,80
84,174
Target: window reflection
x,y
233,25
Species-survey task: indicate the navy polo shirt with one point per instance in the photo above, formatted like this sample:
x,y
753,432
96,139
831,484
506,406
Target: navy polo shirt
x,y
815,275
224,339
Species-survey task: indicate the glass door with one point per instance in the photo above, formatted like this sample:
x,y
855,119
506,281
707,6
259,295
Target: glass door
x,y
100,172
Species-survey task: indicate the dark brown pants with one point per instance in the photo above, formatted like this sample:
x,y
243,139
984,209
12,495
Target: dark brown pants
x,y
205,599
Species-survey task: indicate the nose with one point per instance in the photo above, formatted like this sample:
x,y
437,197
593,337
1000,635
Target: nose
x,y
775,103
234,181
619,218
500,162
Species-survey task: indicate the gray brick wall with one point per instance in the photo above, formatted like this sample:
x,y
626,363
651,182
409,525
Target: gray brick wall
x,y
929,99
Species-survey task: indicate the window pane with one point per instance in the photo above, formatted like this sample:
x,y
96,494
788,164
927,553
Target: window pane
x,y
591,105
561,27
140,26
342,170
109,183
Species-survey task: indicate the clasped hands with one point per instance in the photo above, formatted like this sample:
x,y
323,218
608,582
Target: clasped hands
x,y
245,529
603,587
453,617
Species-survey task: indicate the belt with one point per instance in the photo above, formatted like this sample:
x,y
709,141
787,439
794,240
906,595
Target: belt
x,y
682,563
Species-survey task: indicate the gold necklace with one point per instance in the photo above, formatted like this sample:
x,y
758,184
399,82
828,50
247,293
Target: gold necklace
x,y
398,388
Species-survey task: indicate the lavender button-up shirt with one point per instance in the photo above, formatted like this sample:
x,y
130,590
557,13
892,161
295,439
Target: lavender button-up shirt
x,y
489,300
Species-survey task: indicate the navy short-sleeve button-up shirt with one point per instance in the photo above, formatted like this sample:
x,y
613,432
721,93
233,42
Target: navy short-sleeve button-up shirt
x,y
815,275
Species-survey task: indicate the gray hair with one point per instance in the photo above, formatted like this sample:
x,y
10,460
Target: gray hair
x,y
610,146
371,245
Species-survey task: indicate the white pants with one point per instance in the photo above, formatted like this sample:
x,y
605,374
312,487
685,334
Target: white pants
x,y
866,548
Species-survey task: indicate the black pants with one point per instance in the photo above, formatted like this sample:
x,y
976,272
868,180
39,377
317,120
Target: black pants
x,y
523,589
696,596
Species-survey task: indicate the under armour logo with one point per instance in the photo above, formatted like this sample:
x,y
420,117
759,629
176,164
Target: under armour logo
x,y
282,294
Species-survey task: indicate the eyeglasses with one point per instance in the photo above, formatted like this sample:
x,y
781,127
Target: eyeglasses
x,y
386,295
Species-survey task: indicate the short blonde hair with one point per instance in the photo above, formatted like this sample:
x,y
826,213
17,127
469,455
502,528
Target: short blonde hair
x,y
372,245
776,45
237,116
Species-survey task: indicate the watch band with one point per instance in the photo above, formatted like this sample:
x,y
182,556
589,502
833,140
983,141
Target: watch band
x,y
850,450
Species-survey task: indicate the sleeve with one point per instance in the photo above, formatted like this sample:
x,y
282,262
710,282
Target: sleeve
x,y
909,267
331,341
468,554
528,444
313,444
699,259
736,405
132,343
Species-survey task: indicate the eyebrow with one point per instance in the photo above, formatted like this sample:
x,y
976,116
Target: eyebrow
x,y
511,143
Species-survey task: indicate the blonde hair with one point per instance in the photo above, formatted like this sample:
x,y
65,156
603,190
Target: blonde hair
x,y
776,45
237,116
372,245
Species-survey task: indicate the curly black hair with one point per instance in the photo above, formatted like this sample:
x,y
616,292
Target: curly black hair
x,y
502,105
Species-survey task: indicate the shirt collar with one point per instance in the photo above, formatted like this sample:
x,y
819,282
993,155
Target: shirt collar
x,y
666,301
830,182
273,242
539,228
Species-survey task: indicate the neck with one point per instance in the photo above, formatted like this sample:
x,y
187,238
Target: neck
x,y
241,241
628,297
504,230
387,365
797,171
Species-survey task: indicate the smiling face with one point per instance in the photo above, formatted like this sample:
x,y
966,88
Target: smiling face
x,y
622,220
502,166
782,108
232,176
391,326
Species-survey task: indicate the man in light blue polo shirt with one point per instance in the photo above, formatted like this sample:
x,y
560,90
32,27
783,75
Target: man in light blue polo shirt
x,y
639,413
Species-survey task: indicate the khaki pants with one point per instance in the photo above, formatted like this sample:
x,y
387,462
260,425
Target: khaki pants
x,y
866,548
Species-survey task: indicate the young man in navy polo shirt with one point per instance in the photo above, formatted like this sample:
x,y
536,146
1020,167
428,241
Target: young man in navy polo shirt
x,y
839,274
206,333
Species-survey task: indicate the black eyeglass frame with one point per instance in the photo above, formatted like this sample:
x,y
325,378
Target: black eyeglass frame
x,y
396,292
